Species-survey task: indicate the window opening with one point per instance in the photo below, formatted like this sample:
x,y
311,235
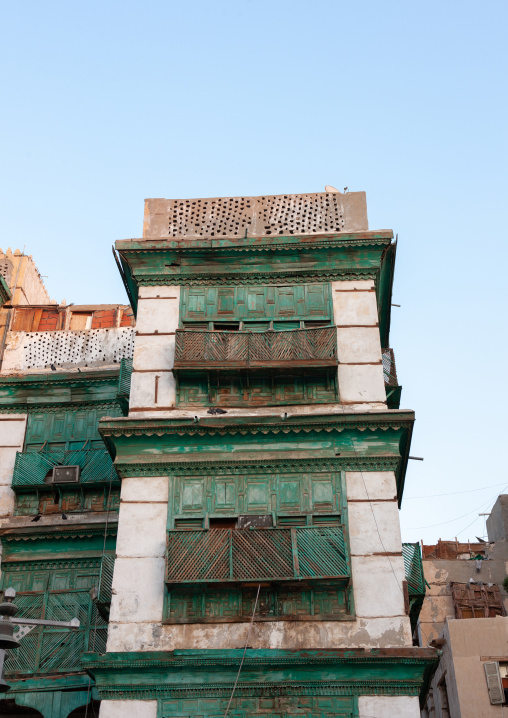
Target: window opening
x,y
224,523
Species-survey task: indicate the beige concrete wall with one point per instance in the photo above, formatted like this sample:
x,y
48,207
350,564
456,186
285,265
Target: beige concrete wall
x,y
468,644
360,370
12,437
153,384
138,583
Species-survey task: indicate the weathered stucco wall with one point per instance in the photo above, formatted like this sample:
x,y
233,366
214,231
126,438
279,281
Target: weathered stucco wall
x,y
28,351
153,384
360,371
12,436
138,583
438,603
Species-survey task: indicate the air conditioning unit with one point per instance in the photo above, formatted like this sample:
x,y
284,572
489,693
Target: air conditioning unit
x,y
65,475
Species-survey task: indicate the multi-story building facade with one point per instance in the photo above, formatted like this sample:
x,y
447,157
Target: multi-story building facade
x,y
259,566
62,369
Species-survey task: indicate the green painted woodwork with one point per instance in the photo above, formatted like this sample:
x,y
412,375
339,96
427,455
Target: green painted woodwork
x,y
269,554
54,541
66,499
200,674
5,292
158,447
384,288
260,302
52,704
124,380
261,707
31,468
282,493
225,604
413,567
57,591
53,390
242,388
66,429
254,261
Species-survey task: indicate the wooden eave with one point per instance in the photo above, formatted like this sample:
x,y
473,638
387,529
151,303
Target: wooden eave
x,y
140,447
27,392
258,260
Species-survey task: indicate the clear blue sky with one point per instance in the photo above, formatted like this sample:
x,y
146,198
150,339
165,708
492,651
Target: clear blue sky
x,y
106,103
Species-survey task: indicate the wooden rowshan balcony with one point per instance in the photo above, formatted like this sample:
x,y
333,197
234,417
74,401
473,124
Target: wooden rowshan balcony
x,y
287,349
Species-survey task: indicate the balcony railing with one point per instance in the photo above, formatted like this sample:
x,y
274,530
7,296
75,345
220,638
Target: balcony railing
x,y
227,555
297,347
32,468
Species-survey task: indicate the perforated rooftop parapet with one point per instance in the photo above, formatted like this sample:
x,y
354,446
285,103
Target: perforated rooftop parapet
x,y
288,214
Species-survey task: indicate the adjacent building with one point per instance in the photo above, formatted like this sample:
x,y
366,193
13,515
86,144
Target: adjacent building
x,y
464,615
62,369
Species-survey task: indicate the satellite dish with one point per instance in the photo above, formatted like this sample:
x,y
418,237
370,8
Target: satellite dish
x,y
329,188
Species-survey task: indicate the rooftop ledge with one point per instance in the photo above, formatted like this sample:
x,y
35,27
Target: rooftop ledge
x,y
258,242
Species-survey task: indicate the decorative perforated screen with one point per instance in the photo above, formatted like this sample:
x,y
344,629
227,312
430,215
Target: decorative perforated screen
x,y
288,214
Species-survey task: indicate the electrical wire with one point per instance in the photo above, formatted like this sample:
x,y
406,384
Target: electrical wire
x,y
244,652
453,493
430,526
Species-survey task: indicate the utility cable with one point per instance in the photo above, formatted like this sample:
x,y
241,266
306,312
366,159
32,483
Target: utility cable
x,y
430,526
244,651
453,493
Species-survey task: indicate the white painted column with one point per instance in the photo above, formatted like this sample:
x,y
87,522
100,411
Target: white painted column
x,y
128,709
153,383
360,372
387,707
376,552
138,578
12,437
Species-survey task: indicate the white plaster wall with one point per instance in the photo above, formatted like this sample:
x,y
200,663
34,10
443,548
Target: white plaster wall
x,y
387,707
67,349
377,586
374,527
154,348
361,383
370,485
12,436
128,709
360,370
138,579
143,390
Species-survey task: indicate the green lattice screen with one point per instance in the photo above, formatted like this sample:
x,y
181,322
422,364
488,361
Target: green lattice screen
x,y
57,593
